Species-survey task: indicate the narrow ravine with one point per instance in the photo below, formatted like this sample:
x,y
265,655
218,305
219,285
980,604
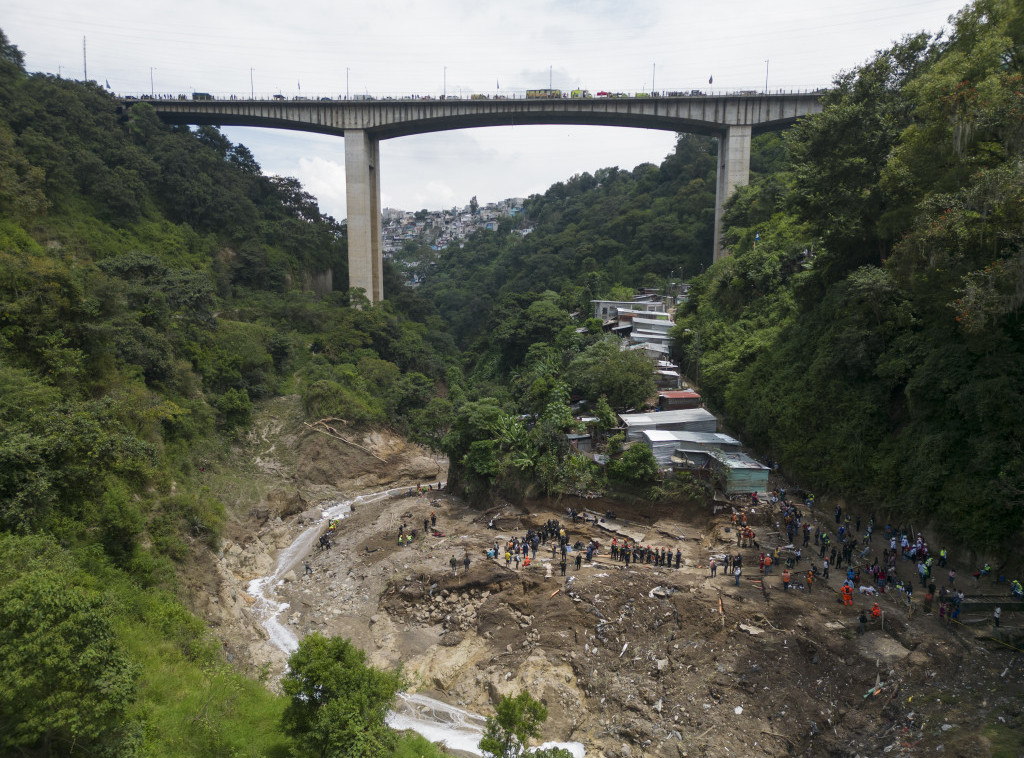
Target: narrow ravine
x,y
456,728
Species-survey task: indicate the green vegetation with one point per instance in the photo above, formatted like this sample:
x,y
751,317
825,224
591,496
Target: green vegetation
x,y
154,286
516,721
871,339
338,703
589,235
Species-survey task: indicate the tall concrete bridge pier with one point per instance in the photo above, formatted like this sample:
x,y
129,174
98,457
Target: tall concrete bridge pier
x,y
733,119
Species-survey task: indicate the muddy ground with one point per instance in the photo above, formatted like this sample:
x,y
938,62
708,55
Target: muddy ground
x,y
630,661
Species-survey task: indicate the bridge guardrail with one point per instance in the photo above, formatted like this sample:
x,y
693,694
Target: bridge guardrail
x,y
471,97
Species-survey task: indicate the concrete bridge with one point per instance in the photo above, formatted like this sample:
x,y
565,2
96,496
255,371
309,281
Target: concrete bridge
x,y
733,118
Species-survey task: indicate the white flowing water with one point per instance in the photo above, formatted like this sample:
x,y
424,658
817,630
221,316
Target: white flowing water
x,y
435,720
267,605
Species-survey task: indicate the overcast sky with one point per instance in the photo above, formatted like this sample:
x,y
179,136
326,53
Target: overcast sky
x,y
396,47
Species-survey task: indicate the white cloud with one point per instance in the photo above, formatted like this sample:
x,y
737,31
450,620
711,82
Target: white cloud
x,y
326,180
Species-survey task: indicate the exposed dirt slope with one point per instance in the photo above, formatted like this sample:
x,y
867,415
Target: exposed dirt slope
x,y
630,661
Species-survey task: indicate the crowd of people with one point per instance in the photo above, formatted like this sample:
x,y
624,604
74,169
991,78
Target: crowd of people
x,y
868,572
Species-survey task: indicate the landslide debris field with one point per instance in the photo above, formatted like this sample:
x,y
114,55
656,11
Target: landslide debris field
x,y
630,661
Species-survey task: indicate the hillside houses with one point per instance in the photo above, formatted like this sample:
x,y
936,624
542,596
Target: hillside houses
x,y
439,229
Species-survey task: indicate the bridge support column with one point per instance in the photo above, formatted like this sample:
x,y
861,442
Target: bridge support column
x,y
733,172
365,232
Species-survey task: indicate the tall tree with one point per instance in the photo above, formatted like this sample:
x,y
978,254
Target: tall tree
x,y
338,703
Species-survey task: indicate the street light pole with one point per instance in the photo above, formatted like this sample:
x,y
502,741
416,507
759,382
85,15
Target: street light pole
x,y
346,82
766,76
654,68
151,81
252,88
444,84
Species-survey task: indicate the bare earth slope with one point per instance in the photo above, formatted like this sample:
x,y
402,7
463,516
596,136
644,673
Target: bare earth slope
x,y
630,661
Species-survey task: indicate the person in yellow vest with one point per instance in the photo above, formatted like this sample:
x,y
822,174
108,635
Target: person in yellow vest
x,y
785,579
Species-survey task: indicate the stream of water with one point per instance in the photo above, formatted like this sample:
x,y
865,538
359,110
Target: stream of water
x,y
436,720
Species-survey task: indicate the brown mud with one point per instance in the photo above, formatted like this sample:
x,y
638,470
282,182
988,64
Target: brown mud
x,y
630,661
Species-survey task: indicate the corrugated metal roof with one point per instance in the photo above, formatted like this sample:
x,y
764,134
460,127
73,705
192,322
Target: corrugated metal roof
x,y
667,417
656,323
679,394
737,461
703,438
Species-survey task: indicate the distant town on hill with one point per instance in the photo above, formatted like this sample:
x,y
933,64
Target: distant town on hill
x,y
409,234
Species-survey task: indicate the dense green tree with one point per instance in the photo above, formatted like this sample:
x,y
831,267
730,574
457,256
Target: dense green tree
x,y
337,703
637,465
625,378
516,721
66,684
870,339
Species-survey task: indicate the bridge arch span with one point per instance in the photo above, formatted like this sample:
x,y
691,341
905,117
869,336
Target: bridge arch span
x,y
733,119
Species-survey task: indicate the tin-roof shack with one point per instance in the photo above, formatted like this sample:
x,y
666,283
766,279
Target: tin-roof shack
x,y
738,473
689,420
677,400
693,445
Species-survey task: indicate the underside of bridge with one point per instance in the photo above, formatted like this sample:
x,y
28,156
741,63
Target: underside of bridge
x,y
733,119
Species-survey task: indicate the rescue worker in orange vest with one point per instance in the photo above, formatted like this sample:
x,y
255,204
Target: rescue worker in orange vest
x,y
810,580
847,595
767,563
785,579
876,612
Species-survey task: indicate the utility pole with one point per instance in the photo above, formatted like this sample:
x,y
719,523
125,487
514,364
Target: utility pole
x,y
85,63
346,82
151,81
766,76
654,68
444,84
550,75
252,88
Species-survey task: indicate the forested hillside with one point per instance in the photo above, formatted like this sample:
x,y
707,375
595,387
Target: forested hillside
x,y
154,285
517,300
589,233
866,330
